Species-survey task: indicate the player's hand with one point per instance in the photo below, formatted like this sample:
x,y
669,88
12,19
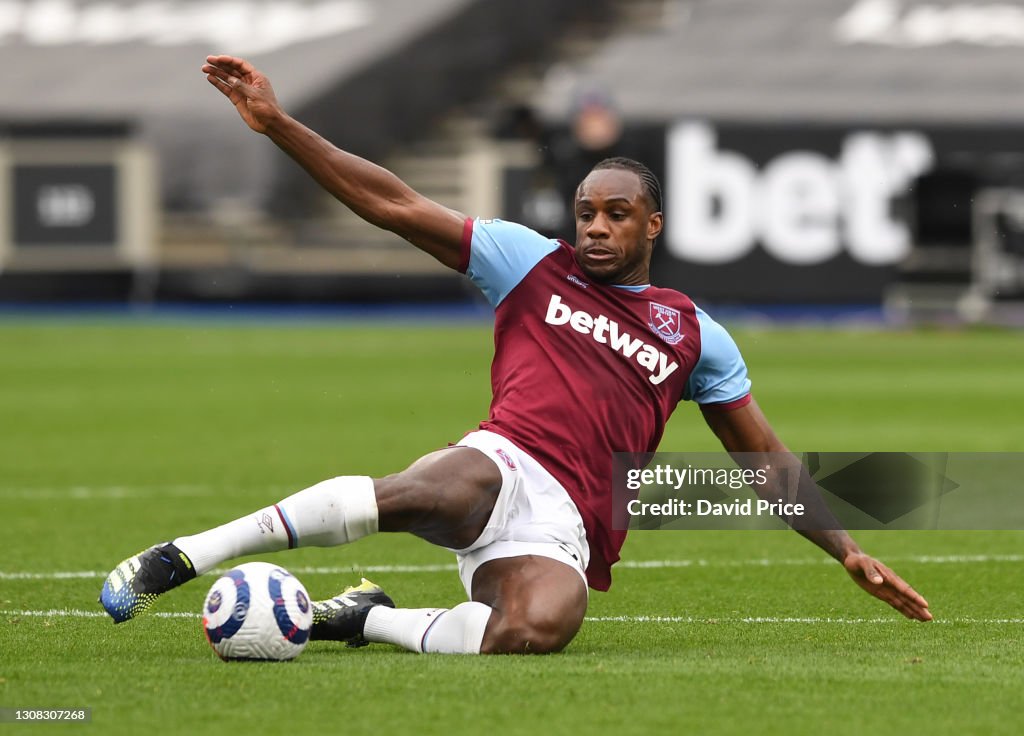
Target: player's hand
x,y
884,584
249,91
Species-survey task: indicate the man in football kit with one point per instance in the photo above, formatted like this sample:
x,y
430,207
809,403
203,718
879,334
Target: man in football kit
x,y
590,359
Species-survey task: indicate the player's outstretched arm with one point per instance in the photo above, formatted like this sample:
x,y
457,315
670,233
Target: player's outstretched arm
x,y
372,192
746,430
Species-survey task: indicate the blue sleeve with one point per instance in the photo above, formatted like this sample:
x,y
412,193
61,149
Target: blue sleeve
x,y
720,376
501,254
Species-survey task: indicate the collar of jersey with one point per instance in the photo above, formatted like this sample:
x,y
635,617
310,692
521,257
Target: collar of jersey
x,y
632,288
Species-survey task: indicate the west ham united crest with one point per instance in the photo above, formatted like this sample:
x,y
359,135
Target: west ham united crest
x,y
666,323
506,457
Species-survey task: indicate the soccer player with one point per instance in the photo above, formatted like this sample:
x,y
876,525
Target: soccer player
x,y
590,358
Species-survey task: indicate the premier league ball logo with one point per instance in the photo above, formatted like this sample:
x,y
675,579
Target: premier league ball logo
x,y
666,323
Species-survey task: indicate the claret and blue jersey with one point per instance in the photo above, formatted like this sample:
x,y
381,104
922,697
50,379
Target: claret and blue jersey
x,y
582,370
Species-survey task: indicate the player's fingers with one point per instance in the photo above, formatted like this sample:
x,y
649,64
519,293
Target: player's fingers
x,y
878,573
900,604
229,84
869,569
879,580
238,67
245,67
222,60
901,586
916,614
216,71
911,606
913,611
916,602
219,83
913,596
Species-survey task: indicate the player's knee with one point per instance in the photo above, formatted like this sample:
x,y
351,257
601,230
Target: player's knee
x,y
517,635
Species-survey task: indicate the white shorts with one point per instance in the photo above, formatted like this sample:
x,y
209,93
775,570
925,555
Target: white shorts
x,y
533,514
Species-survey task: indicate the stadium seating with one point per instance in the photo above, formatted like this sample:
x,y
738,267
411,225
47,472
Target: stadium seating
x,y
369,75
812,60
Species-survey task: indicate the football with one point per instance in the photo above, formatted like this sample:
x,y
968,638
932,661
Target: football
x,y
257,611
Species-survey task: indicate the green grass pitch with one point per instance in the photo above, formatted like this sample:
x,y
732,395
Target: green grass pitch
x,y
116,435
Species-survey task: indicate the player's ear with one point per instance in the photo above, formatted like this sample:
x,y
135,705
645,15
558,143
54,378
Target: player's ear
x,y
655,223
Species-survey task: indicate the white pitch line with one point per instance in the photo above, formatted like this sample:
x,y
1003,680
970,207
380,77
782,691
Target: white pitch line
x,y
779,562
788,620
51,575
443,567
74,613
96,574
625,564
94,493
744,620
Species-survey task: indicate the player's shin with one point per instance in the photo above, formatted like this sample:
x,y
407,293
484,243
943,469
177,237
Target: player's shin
x,y
333,512
459,630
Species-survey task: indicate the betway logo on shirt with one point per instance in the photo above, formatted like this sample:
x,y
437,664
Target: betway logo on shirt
x,y
607,332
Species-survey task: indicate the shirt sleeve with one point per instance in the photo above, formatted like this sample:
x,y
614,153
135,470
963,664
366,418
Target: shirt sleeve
x,y
719,379
497,255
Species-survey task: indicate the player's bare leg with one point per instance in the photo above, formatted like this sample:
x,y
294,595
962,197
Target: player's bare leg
x,y
521,605
526,604
538,604
445,497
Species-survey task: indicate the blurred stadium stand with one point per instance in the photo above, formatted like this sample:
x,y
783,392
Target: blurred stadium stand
x,y
237,219
881,138
807,60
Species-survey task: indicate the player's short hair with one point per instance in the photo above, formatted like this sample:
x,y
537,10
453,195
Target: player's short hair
x,y
649,182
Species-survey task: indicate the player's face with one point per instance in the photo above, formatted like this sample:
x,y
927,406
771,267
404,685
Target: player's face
x,y
615,228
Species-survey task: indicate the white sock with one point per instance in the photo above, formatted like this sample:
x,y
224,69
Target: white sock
x,y
336,511
458,630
